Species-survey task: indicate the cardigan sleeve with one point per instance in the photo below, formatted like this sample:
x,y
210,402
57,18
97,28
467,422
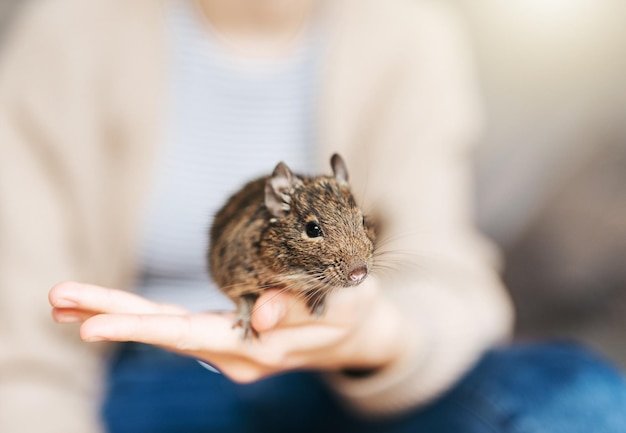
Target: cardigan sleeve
x,y
418,178
49,380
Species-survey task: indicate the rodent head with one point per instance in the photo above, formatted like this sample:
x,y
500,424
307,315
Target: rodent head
x,y
317,237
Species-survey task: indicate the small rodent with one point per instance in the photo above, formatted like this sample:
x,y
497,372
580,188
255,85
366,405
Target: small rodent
x,y
291,232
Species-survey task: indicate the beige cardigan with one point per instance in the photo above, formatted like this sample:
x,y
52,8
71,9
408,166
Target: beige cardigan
x,y
81,100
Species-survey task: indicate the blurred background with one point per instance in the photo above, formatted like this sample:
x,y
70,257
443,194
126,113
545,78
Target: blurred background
x,y
551,166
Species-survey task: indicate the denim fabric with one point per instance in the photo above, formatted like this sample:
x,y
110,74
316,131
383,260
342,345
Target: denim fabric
x,y
535,388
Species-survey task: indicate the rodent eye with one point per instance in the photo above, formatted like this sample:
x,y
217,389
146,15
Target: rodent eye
x,y
313,230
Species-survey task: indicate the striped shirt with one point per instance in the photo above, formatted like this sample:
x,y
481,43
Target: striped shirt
x,y
230,119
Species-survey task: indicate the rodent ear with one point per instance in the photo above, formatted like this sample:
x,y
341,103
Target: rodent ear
x,y
339,169
278,188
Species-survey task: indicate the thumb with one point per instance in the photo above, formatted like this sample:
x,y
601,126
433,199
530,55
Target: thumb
x,y
276,307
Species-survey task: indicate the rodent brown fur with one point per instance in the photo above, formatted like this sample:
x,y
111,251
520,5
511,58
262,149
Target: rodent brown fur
x,y
298,233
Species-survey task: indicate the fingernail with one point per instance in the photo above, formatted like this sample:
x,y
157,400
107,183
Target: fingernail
x,y
278,311
67,318
93,338
65,303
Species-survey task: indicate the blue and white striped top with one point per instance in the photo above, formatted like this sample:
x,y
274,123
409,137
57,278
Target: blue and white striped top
x,y
231,118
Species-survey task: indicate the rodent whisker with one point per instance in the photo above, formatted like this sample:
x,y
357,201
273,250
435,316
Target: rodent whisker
x,y
416,235
247,286
428,265
315,298
307,285
314,282
282,290
405,254
314,289
395,261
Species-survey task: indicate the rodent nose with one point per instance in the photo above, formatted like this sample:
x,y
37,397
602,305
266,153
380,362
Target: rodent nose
x,y
358,274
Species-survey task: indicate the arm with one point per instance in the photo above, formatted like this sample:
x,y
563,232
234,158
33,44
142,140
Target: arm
x,y
417,332
49,382
452,304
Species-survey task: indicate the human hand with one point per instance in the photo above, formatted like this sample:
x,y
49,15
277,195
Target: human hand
x,y
360,329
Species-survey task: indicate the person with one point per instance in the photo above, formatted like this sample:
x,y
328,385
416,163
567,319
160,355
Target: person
x,y
118,119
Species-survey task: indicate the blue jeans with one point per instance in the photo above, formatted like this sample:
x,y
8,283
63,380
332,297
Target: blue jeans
x,y
538,388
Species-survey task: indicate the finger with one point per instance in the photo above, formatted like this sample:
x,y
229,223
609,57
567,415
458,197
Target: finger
x,y
238,369
93,298
209,337
278,307
343,307
348,305
70,315
189,334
